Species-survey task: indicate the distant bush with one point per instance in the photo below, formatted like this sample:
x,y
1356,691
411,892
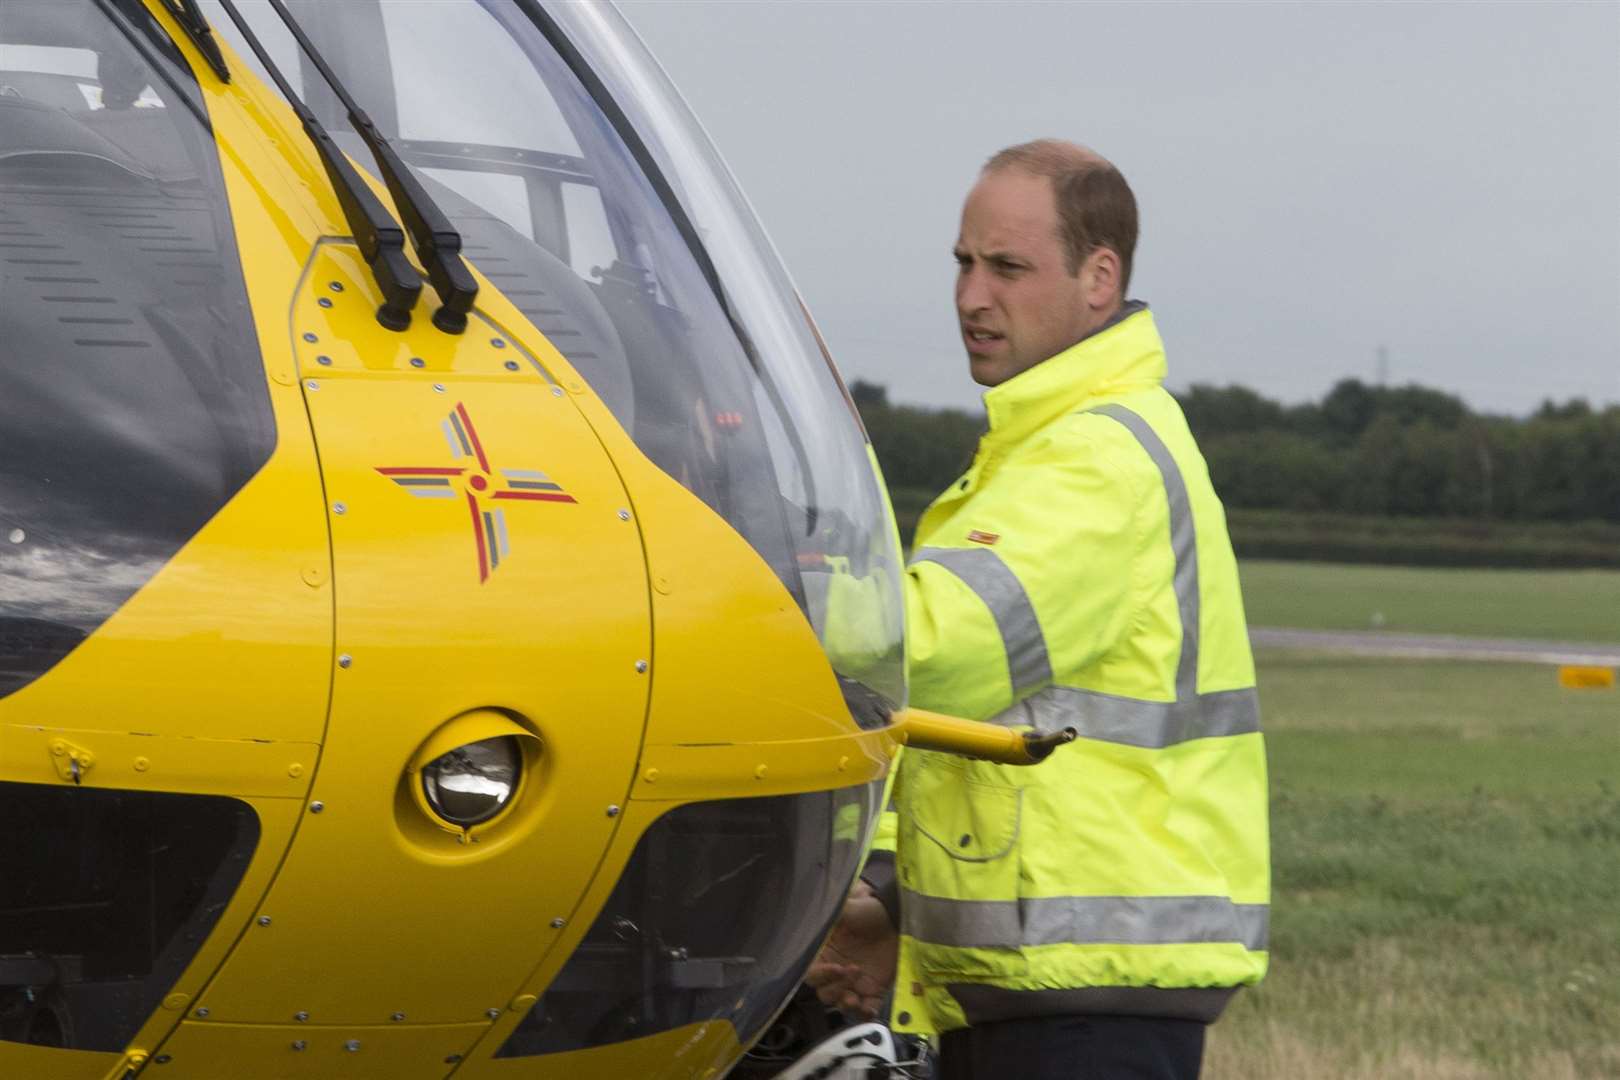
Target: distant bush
x,y
1453,484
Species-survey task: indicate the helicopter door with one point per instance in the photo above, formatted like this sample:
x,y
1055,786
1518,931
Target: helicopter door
x,y
489,578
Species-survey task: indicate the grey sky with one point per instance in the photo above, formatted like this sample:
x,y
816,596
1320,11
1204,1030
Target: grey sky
x,y
1315,179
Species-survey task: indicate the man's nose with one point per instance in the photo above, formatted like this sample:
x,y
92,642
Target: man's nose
x,y
971,293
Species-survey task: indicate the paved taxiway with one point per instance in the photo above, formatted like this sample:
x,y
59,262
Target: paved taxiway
x,y
1437,646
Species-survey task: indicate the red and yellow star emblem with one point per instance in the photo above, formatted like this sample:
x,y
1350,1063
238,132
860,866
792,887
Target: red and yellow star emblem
x,y
476,484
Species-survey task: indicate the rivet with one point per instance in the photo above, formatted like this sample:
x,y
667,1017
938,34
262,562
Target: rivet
x,y
264,920
324,361
300,1044
493,1014
418,362
498,343
301,1016
311,338
452,1059
295,770
202,1013
524,1001
336,286
556,391
624,515
965,841
142,764
760,771
345,660
903,1017
397,1017
339,508
651,776
558,923
325,301
162,1059
137,1058
352,1046
641,667
438,388
316,807
612,811
511,365
312,385
175,1002
843,764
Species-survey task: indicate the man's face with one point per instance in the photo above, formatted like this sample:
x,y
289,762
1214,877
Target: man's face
x,y
1016,301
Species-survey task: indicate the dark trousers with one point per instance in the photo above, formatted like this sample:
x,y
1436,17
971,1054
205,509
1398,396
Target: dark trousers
x,y
1074,1048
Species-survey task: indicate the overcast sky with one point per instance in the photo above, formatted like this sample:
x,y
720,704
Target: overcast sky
x,y
1315,179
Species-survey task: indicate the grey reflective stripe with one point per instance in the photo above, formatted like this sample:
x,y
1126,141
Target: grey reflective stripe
x,y
1183,541
1133,722
982,570
972,924
983,1004
1083,920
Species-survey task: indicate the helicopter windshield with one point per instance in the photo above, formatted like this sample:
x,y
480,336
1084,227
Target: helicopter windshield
x,y
132,392
589,196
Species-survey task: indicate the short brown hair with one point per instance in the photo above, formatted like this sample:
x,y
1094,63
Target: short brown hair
x,y
1094,203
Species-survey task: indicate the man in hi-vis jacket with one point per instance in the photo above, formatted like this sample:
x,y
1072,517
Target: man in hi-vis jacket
x,y
1089,916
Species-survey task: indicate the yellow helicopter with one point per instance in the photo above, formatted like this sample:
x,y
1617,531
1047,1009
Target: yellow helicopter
x,y
449,613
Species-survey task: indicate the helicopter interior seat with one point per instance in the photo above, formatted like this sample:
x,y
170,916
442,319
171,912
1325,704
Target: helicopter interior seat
x,y
109,313
30,129
558,301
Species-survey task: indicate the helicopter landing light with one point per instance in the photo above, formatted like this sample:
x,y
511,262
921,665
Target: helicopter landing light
x,y
473,770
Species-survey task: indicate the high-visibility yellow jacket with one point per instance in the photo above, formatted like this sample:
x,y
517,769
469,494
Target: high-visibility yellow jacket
x,y
1080,574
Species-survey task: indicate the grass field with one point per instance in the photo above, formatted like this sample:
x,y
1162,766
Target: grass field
x,y
1446,846
1566,605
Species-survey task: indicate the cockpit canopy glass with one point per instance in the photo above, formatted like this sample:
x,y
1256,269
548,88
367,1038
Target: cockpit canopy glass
x,y
133,403
589,196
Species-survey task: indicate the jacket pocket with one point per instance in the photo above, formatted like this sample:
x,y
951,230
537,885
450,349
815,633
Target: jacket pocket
x,y
960,868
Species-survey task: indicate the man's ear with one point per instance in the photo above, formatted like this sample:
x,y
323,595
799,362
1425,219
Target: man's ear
x,y
1100,278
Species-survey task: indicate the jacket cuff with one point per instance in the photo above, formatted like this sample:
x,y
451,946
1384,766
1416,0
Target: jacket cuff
x,y
879,874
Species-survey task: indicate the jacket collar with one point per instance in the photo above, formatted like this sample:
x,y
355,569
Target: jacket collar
x,y
1124,353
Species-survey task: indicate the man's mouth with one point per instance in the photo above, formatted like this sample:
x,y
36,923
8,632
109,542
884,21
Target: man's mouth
x,y
980,340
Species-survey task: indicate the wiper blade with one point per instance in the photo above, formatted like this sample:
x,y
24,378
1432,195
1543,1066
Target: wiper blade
x,y
437,242
381,240
192,21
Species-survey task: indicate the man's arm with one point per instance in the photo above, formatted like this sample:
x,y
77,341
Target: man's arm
x,y
989,621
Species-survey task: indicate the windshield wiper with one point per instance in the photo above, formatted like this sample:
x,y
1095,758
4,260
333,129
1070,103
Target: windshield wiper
x,y
437,242
379,236
192,21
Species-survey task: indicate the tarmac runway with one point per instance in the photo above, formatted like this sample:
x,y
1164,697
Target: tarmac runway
x,y
1437,646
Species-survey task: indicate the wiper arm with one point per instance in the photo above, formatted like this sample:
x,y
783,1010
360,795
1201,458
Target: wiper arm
x,y
381,240
192,21
437,242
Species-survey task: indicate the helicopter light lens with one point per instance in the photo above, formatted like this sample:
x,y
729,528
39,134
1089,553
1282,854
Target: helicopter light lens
x,y
473,783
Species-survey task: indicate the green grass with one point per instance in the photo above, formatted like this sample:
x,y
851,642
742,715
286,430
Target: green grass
x,y
1446,852
1568,605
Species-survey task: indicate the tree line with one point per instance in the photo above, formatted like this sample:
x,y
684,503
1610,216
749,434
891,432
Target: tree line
x,y
1407,451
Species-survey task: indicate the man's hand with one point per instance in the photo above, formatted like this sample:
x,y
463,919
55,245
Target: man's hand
x,y
857,965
